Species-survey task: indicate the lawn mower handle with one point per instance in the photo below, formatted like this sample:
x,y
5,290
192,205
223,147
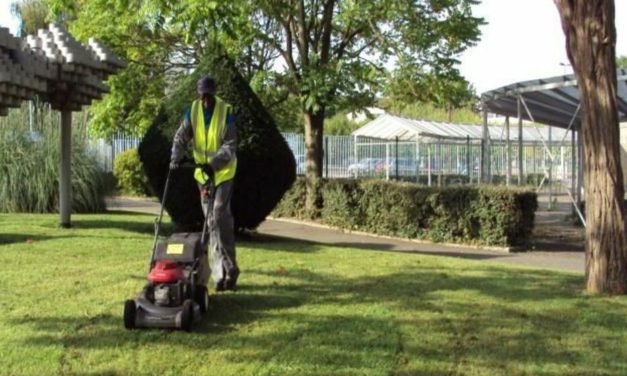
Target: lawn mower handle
x,y
184,165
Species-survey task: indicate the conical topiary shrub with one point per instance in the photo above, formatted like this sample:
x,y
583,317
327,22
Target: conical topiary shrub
x,y
266,166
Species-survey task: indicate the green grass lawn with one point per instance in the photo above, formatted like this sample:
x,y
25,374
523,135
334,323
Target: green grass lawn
x,y
302,309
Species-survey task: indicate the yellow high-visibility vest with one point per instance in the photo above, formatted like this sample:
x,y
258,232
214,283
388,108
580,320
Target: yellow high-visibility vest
x,y
208,141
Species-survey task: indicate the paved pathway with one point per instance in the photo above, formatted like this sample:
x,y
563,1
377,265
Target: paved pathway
x,y
550,253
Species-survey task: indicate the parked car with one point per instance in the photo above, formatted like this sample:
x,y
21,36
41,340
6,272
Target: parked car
x,y
406,166
364,166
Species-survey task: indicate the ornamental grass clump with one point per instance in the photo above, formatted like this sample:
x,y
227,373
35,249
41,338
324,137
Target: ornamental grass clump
x,y
29,169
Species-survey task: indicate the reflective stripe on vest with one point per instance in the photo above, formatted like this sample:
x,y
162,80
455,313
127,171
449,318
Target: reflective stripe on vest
x,y
208,141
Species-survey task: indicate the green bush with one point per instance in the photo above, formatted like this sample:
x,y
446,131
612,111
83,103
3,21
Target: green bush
x,y
129,173
29,173
477,215
341,203
504,216
453,217
292,205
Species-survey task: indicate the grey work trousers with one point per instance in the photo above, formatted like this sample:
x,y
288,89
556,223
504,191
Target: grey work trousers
x,y
221,232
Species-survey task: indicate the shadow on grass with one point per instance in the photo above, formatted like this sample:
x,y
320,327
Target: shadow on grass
x,y
278,244
121,221
284,244
106,330
9,238
415,320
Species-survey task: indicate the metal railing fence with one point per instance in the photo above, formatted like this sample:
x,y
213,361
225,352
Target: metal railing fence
x,y
440,161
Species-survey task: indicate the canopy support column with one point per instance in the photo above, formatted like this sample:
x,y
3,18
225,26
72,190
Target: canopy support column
x,y
550,183
484,145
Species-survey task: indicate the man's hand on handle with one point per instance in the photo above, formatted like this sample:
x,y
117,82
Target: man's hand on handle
x,y
208,170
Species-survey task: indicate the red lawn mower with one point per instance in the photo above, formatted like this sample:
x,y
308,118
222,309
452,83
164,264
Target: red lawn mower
x,y
176,293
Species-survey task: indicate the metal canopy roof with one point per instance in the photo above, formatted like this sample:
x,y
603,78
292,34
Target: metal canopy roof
x,y
553,101
389,127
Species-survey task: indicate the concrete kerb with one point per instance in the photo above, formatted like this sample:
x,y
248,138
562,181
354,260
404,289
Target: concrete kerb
x,y
510,249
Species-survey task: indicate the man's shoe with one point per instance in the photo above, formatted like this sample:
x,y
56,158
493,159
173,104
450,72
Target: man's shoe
x,y
229,284
220,286
231,280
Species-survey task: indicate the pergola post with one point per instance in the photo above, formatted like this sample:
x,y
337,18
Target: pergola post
x,y
65,168
508,153
520,142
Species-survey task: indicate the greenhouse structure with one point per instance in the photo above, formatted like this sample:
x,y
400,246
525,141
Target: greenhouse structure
x,y
432,151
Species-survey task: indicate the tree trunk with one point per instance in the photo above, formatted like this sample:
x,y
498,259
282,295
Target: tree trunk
x,y
590,43
313,160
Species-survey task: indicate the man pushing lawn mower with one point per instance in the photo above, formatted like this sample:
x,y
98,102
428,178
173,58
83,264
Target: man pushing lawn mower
x,y
176,293
209,125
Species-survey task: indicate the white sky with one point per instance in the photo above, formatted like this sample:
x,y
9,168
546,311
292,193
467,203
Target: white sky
x,y
6,20
523,40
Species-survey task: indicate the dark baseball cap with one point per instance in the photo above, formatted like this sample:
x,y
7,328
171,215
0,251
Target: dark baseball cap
x,y
206,85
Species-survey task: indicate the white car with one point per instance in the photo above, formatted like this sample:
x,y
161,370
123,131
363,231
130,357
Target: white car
x,y
364,166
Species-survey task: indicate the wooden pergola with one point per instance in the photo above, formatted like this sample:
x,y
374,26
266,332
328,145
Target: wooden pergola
x,y
59,70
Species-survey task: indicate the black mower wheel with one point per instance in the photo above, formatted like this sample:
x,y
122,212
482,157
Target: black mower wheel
x,y
202,298
130,311
187,317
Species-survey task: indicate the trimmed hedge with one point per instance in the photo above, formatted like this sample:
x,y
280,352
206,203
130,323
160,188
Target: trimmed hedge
x,y
266,167
129,174
477,215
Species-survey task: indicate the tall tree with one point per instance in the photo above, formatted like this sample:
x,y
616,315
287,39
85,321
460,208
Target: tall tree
x,y
156,55
590,44
163,41
449,92
334,49
330,52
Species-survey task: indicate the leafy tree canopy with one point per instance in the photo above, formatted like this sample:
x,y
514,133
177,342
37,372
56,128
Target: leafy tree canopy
x,y
330,54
